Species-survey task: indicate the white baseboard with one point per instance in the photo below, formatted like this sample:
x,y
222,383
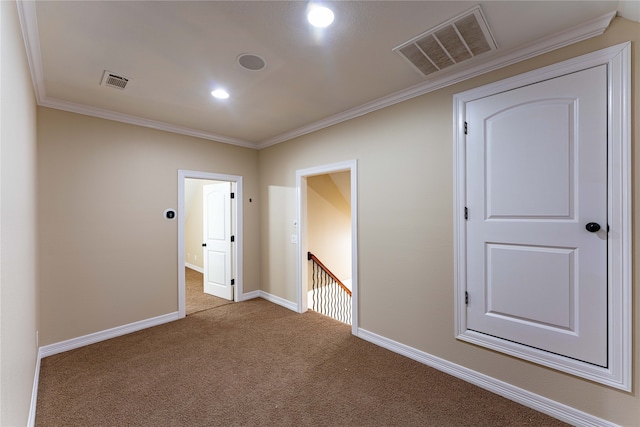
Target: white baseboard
x,y
31,421
194,267
250,295
60,347
539,403
274,299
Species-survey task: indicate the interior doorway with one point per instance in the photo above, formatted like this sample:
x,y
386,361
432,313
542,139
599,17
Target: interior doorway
x,y
219,269
325,195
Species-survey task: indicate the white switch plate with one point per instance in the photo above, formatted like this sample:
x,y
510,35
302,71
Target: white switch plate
x,y
294,238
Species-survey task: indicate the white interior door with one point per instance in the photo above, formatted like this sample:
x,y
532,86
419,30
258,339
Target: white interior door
x,y
217,253
536,176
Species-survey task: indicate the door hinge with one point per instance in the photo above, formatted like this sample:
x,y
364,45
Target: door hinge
x,y
466,297
233,195
233,282
233,239
466,129
466,213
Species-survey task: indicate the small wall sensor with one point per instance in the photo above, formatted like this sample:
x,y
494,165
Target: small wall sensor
x,y
169,214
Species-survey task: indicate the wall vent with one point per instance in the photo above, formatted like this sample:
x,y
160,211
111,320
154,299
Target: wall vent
x,y
113,80
457,40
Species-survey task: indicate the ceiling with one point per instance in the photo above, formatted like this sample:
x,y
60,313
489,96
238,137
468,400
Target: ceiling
x,y
176,52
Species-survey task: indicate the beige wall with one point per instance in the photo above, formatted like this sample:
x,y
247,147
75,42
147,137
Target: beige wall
x,y
18,291
107,255
329,223
193,222
405,188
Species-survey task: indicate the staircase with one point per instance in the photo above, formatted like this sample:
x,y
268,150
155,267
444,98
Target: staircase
x,y
328,295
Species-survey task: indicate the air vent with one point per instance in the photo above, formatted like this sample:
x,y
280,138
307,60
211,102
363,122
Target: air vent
x,y
457,40
113,80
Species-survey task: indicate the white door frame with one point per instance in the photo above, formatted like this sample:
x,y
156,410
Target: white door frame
x,y
618,373
237,220
301,189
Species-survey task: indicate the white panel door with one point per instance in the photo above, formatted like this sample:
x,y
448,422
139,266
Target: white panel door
x,y
217,254
536,176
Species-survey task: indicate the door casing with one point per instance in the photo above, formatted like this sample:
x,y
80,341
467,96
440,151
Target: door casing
x,y
237,220
301,223
618,373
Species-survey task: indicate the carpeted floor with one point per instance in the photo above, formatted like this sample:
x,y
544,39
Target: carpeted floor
x,y
195,298
254,363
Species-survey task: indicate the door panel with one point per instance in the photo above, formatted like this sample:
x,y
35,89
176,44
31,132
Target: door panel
x,y
217,263
217,239
536,175
522,141
543,297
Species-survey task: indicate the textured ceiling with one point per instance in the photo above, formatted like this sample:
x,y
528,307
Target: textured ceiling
x,y
176,52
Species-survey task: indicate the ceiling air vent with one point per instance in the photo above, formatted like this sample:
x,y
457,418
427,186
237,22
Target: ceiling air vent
x,y
110,79
457,40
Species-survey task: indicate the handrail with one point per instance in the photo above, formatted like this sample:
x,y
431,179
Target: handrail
x,y
311,256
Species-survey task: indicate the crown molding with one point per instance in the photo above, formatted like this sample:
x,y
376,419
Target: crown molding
x,y
29,24
564,38
139,121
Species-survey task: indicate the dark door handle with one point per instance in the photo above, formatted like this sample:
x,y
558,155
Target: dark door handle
x,y
592,227
204,244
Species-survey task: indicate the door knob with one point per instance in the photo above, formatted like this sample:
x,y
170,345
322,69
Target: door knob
x,y
592,227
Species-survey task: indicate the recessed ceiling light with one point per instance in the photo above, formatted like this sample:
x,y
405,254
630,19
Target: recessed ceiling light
x,y
220,94
320,16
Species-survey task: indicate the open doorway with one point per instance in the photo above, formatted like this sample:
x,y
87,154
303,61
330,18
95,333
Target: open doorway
x,y
327,228
209,240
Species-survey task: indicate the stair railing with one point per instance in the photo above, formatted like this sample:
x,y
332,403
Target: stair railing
x,y
329,295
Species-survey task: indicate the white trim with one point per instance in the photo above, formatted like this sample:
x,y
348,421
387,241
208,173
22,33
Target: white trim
x,y
493,62
275,299
194,267
488,63
539,403
619,373
252,295
31,421
29,23
301,175
140,121
237,247
31,36
61,347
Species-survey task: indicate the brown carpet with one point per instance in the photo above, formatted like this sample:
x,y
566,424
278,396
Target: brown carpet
x,y
195,298
254,363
